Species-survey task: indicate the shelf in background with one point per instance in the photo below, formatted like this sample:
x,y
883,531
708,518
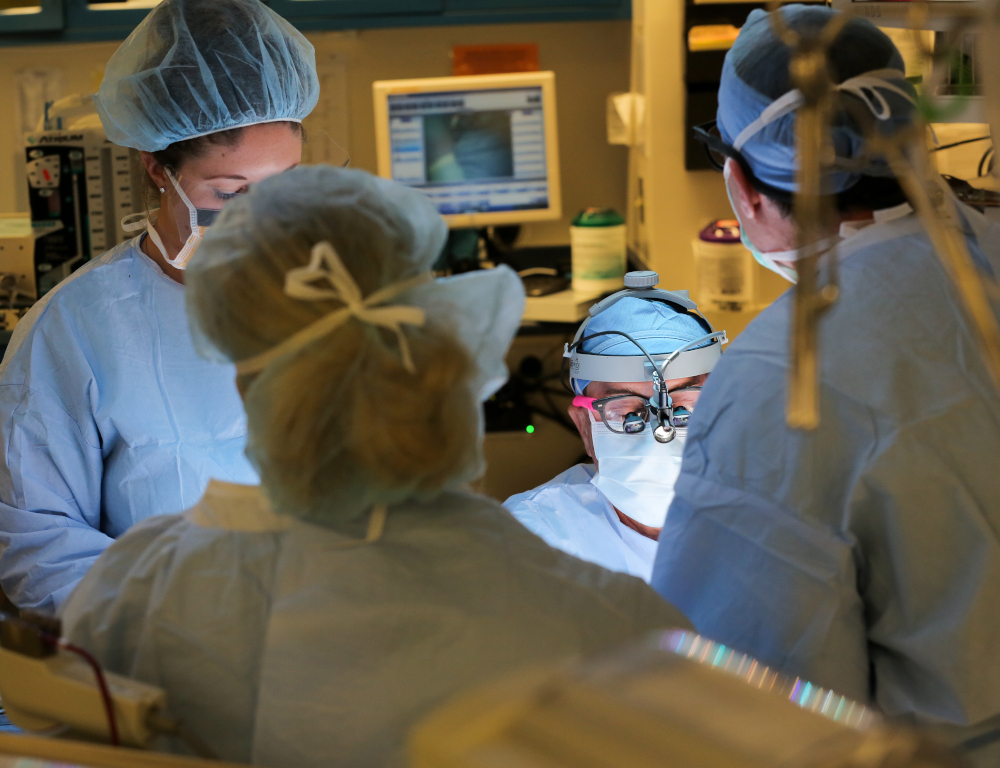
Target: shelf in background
x,y
896,13
80,21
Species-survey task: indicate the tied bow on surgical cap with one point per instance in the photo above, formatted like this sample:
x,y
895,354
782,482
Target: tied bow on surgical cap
x,y
865,87
758,100
325,265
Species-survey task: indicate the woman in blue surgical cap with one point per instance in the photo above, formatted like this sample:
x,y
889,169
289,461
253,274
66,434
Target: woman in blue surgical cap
x,y
107,414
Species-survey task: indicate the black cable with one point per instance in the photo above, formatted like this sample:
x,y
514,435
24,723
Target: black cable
x,y
663,404
959,143
652,362
655,372
987,155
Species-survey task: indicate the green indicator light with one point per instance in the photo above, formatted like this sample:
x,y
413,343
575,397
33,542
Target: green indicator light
x,y
529,429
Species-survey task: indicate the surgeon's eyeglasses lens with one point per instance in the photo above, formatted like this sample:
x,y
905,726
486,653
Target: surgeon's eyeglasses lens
x,y
634,423
715,157
626,414
681,416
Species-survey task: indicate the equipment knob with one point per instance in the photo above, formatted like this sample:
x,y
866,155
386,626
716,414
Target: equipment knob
x,y
641,279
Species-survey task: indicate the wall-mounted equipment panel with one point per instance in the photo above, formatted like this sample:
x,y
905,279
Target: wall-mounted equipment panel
x,y
940,13
41,16
86,20
318,10
535,5
97,20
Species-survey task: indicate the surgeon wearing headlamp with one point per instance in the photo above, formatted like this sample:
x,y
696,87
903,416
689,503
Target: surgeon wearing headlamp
x,y
107,414
863,555
637,366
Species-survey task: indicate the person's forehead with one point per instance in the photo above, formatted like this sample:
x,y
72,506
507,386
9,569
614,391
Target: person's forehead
x,y
262,151
608,388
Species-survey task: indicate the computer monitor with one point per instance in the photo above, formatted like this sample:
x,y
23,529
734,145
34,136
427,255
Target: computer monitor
x,y
484,148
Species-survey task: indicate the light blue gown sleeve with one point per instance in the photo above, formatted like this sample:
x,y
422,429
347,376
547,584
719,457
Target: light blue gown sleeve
x,y
51,465
184,608
753,550
757,579
864,555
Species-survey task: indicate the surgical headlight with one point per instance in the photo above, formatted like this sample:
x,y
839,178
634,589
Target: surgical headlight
x,y
692,359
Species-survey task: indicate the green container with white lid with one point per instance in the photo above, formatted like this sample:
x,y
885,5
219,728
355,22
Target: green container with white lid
x,y
597,239
598,217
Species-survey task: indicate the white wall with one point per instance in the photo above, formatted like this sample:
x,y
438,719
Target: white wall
x,y
590,59
680,203
683,201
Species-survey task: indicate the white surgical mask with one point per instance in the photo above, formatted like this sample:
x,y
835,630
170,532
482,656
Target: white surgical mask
x,y
771,258
636,473
191,224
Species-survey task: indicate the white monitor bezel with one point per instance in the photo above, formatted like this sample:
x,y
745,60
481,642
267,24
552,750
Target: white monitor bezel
x,y
382,89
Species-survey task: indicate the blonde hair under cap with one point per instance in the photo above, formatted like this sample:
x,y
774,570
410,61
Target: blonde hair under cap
x,y
359,396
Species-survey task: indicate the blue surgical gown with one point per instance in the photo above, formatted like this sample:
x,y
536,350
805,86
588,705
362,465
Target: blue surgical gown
x,y
570,513
279,645
864,555
107,416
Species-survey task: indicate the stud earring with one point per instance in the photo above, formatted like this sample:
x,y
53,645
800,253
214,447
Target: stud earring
x,y
163,190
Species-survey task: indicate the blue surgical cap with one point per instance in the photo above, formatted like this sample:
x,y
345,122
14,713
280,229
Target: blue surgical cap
x,y
195,67
656,325
756,73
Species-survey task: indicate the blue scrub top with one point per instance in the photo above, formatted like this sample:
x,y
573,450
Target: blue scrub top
x,y
863,556
108,416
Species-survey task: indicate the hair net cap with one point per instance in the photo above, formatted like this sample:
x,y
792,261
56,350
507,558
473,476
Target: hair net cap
x,y
384,234
195,67
756,73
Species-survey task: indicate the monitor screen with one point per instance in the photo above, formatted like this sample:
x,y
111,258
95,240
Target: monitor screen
x,y
474,151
